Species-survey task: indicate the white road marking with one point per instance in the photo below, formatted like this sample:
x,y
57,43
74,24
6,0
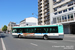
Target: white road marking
x,y
3,45
52,42
33,44
70,40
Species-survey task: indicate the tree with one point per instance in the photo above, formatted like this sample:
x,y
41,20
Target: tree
x,y
4,28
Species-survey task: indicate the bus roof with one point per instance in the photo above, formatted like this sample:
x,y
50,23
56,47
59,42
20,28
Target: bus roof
x,y
35,26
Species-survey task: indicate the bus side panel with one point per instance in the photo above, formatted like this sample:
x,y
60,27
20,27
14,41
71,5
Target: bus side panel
x,y
28,34
38,35
15,34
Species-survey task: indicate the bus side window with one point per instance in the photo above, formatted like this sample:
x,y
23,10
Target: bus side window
x,y
50,30
20,31
14,30
46,30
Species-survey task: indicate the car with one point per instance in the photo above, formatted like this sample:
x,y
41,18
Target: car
x,y
0,31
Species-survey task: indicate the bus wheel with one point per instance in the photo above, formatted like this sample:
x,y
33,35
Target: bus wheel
x,y
45,37
61,38
19,36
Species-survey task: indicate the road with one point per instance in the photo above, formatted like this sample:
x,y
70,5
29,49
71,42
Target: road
x,y
7,42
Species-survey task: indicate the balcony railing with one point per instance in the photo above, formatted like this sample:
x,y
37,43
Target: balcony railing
x,y
45,3
39,20
45,7
70,4
46,11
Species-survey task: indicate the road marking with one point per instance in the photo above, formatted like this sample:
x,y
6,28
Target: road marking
x,y
52,42
33,44
3,45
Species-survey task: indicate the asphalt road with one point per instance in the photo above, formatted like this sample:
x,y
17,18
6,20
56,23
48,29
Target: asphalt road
x,y
10,43
0,44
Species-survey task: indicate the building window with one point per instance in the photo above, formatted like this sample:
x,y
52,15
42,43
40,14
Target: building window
x,y
70,3
55,9
65,10
63,18
71,8
54,20
58,19
60,12
70,17
55,13
55,2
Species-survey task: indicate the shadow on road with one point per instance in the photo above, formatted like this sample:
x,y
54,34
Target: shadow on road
x,y
37,38
2,35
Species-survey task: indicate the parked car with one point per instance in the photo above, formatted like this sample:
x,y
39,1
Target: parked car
x,y
1,32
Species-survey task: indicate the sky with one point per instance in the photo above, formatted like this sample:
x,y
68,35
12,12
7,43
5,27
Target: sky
x,y
17,10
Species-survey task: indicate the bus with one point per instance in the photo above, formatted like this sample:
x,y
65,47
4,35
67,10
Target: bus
x,y
43,31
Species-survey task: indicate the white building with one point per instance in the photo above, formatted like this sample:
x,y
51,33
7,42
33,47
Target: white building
x,y
64,13
10,25
57,12
29,21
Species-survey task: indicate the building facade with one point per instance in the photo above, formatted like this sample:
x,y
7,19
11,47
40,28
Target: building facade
x,y
43,12
29,21
60,12
0,30
64,13
10,25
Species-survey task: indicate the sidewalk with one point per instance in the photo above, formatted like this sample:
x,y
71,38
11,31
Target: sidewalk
x,y
69,35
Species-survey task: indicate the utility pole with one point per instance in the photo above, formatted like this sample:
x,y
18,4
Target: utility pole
x,y
35,14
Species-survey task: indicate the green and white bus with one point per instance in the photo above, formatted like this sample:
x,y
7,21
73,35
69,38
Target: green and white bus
x,y
44,31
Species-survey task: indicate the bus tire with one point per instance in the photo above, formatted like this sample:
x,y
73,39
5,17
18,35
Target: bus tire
x,y
19,36
61,38
45,37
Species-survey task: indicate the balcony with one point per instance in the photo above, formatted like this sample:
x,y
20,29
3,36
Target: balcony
x,y
46,18
46,11
39,17
55,10
39,6
40,10
61,3
40,20
47,23
40,23
45,15
56,1
62,8
39,3
46,7
70,4
40,13
39,0
45,0
45,3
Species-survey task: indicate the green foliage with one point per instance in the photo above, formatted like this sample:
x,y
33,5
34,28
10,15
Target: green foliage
x,y
4,28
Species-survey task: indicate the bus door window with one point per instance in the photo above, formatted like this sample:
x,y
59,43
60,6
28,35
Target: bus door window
x,y
14,30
